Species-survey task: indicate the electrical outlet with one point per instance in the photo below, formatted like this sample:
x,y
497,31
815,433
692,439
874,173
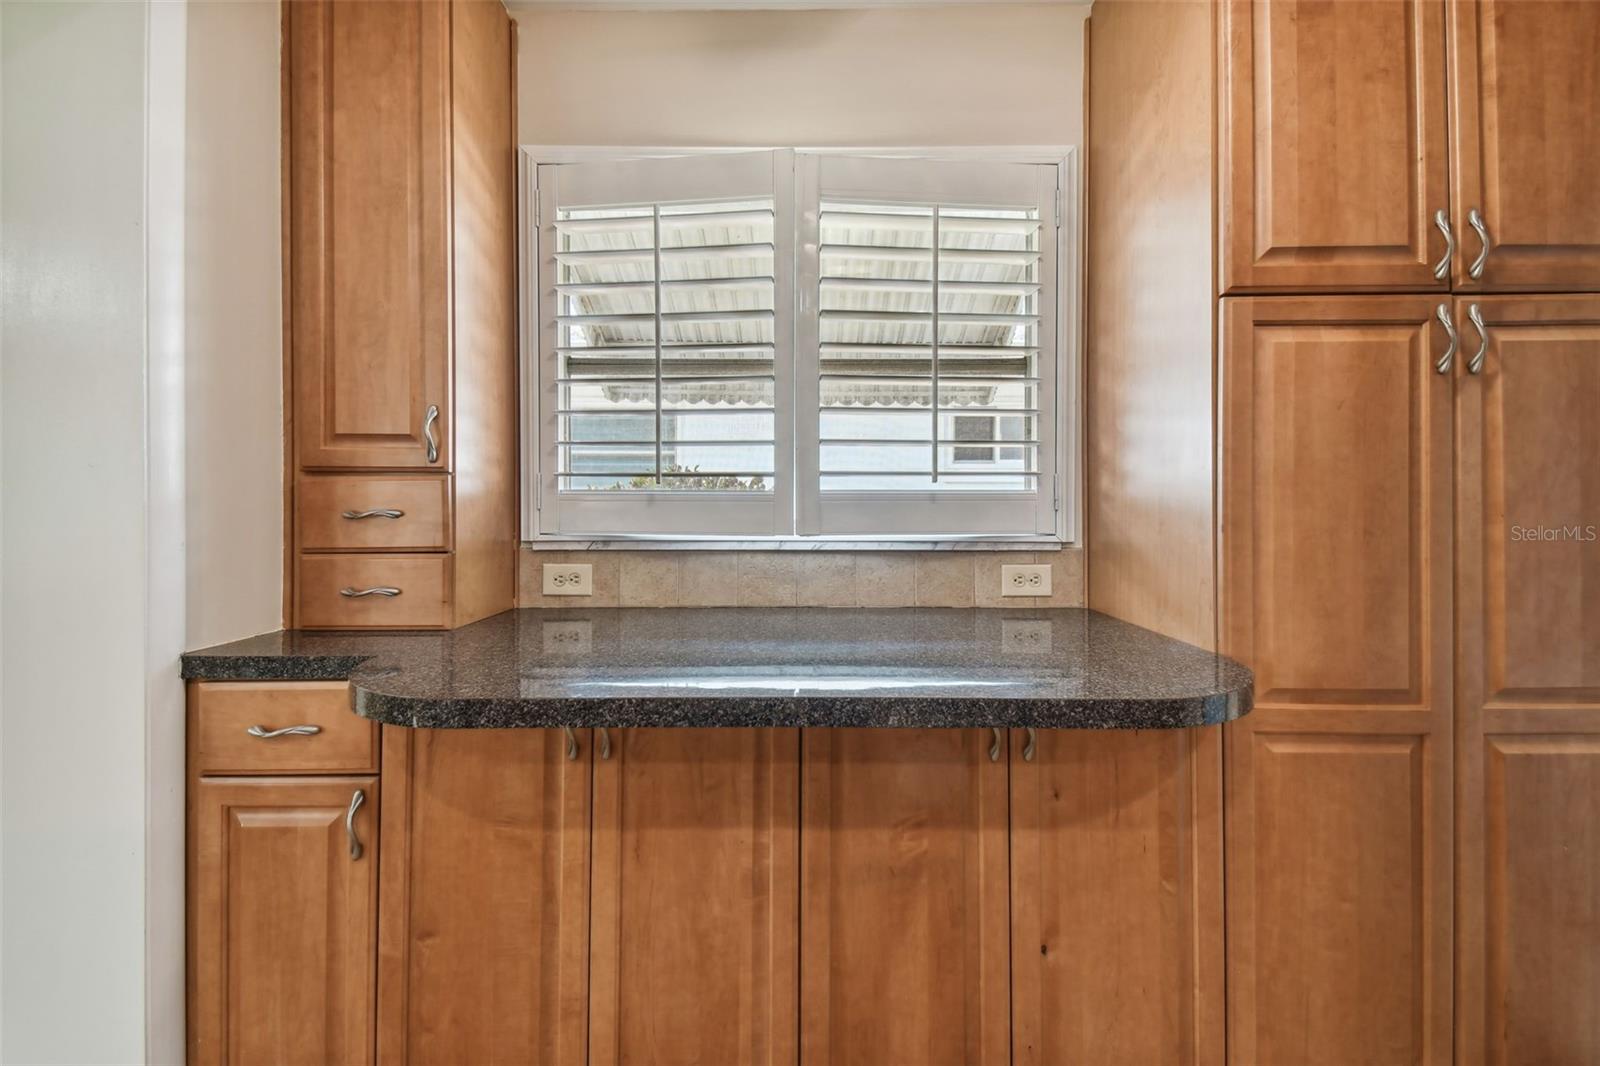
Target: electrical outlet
x,y
1025,580
568,579
571,637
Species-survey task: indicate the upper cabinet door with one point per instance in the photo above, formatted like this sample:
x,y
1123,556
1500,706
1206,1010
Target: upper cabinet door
x,y
1332,146
368,91
1526,143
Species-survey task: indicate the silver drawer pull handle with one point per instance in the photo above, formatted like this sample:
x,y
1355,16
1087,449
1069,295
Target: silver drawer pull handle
x,y
994,745
572,742
381,590
428,421
1475,364
1441,269
287,731
1442,313
1475,220
350,823
376,512
1029,747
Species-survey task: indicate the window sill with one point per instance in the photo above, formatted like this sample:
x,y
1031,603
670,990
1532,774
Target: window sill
x,y
799,544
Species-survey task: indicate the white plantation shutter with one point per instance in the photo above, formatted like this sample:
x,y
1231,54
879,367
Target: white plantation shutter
x,y
926,329
664,401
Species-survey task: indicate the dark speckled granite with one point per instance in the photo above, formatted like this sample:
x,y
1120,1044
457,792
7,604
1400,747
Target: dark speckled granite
x,y
619,667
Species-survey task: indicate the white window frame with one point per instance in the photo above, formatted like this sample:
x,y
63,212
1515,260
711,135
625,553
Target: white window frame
x,y
1067,482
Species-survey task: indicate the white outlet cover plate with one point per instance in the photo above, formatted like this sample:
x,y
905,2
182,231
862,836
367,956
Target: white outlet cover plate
x,y
568,579
1025,580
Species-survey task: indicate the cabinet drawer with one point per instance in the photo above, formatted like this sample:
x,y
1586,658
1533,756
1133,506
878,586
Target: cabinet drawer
x,y
337,591
225,712
373,513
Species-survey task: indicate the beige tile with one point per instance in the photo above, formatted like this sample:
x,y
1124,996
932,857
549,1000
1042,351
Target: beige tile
x,y
1066,578
766,579
708,579
528,577
648,579
986,578
825,579
944,579
886,580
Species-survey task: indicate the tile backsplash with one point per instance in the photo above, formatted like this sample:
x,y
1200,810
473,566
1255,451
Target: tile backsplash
x,y
800,579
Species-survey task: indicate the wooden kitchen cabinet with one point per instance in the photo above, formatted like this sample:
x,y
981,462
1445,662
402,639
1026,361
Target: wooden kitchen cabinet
x,y
1528,683
904,954
400,256
1525,143
483,954
282,919
1333,145
1116,897
694,920
1337,466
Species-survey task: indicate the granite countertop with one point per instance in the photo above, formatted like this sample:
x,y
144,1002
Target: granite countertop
x,y
1064,668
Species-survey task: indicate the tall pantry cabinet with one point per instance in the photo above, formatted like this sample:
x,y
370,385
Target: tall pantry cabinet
x,y
399,248
1406,483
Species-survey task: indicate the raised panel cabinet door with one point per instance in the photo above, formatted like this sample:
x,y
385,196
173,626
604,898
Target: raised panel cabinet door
x,y
1337,533
694,917
904,952
1525,144
483,956
368,185
1116,897
282,919
1332,144
1528,684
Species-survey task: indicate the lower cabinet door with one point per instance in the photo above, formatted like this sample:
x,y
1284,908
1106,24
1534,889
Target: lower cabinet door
x,y
903,907
1116,897
1528,685
483,957
282,919
695,889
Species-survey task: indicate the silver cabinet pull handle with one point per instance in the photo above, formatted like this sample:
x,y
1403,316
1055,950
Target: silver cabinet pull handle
x,y
1441,269
994,745
350,823
287,731
1032,744
1475,364
1475,220
381,590
572,742
376,512
428,421
1445,361
605,743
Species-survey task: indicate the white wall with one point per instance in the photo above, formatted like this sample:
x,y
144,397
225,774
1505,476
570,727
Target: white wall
x,y
73,576
955,75
234,358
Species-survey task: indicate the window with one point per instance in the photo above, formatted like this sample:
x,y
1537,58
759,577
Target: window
x,y
784,343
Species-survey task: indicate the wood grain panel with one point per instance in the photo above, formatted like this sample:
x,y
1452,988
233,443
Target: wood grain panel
x,y
484,953
483,223
282,921
222,712
368,203
1151,334
903,924
423,503
1528,566
1337,459
1333,159
695,900
1525,143
1116,897
1339,899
